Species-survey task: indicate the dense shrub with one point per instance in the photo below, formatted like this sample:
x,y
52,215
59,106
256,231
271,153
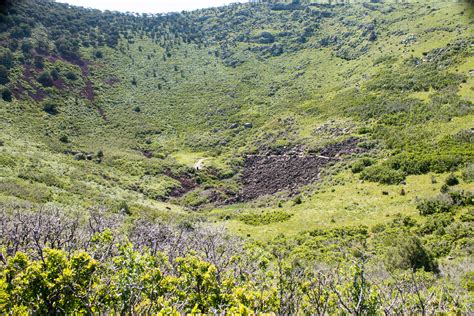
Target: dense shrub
x,y
408,252
39,62
6,59
195,198
444,202
436,224
360,165
440,204
297,200
462,198
382,174
420,163
123,208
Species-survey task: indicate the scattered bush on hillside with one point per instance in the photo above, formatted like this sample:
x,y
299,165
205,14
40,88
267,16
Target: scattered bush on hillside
x,y
64,139
452,180
54,74
421,163
38,62
50,107
45,79
444,188
297,200
382,174
26,48
436,224
462,198
6,95
98,54
408,252
123,208
71,76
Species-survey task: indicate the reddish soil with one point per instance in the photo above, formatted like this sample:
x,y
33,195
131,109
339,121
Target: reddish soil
x,y
84,67
220,196
28,74
59,84
187,182
269,174
89,91
39,95
102,114
53,58
18,91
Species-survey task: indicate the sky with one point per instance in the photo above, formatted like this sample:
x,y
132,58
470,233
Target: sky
x,y
149,6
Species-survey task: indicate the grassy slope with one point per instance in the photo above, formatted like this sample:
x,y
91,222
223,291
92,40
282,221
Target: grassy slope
x,y
198,100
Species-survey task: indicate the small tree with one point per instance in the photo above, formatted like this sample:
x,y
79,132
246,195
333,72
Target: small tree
x,y
6,60
45,79
7,95
54,74
409,253
50,108
452,180
71,76
64,139
4,75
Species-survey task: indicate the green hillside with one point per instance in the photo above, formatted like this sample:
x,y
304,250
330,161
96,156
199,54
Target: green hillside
x,y
307,125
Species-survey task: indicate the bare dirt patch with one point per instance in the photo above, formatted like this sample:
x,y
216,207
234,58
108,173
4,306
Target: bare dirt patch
x,y
187,184
269,173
